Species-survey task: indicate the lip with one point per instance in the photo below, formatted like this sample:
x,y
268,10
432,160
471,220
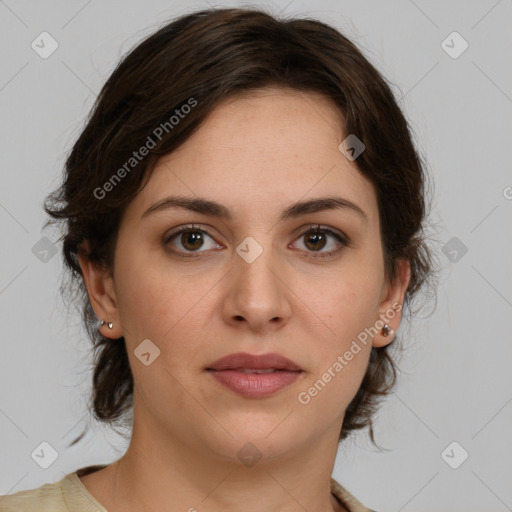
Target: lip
x,y
254,362
230,372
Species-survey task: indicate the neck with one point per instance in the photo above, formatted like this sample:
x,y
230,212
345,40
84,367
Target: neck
x,y
179,471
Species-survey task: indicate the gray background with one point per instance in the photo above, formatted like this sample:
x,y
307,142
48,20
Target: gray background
x,y
455,383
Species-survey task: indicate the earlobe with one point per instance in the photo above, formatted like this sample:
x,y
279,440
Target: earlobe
x,y
99,284
390,310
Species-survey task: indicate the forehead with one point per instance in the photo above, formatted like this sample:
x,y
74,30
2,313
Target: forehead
x,y
259,151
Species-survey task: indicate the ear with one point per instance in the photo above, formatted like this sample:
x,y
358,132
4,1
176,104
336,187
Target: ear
x,y
100,287
391,305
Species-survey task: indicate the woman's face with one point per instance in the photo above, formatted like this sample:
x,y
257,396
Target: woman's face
x,y
252,280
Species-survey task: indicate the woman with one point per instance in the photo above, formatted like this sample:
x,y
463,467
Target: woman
x,y
244,215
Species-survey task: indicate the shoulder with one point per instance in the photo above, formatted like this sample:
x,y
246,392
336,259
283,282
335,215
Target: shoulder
x,y
348,501
48,497
66,495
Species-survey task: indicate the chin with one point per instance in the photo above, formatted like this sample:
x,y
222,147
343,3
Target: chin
x,y
252,437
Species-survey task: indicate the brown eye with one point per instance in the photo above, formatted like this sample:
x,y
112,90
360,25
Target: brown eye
x,y
315,240
190,239
318,238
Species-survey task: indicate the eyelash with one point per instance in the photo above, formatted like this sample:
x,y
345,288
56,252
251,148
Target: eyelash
x,y
311,229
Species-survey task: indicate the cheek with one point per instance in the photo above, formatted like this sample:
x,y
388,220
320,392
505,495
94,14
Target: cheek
x,y
341,359
336,379
353,302
158,302
350,309
144,300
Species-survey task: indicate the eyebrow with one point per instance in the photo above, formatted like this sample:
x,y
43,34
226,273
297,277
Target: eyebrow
x,y
214,209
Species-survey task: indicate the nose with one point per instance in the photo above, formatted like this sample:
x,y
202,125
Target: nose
x,y
257,294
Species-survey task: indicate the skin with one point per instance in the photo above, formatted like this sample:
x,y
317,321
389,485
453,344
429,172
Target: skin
x,y
256,154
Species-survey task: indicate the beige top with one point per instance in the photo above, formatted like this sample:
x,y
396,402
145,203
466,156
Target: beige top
x,y
70,495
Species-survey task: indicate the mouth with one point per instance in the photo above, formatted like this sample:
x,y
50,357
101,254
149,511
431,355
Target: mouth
x,y
253,370
258,363
255,376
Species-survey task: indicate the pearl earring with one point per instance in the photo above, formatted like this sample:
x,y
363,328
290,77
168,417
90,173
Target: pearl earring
x,y
386,330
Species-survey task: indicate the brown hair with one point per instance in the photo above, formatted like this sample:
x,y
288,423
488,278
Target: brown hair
x,y
199,60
